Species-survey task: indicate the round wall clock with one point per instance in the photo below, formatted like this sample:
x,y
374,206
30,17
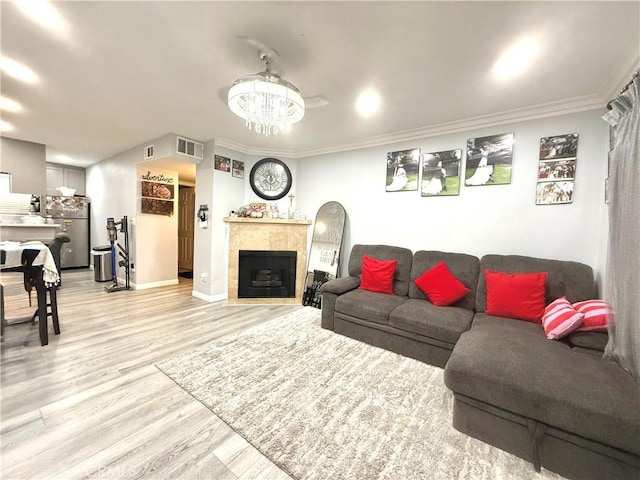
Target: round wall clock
x,y
270,179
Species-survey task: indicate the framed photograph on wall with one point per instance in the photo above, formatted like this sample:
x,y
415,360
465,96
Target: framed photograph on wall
x,y
489,160
553,193
550,170
402,170
559,146
221,163
441,173
237,169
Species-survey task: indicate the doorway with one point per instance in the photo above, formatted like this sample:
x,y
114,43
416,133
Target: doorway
x,y
186,226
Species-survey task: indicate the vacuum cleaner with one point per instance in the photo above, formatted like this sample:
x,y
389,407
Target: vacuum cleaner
x,y
112,230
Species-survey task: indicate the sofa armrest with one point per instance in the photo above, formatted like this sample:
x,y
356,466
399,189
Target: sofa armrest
x,y
341,285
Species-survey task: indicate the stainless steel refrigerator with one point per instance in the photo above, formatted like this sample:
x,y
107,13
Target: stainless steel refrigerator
x,y
72,213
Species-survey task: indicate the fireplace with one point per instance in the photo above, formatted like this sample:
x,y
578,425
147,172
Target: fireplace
x,y
266,274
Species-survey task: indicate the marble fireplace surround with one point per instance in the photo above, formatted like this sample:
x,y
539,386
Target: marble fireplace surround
x,y
266,234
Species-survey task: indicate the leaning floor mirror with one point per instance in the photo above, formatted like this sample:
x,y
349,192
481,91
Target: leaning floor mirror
x,y
324,254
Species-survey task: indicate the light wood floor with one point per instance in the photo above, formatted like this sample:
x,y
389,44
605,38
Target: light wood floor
x,y
91,404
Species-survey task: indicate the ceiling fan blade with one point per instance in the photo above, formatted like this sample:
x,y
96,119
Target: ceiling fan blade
x,y
315,101
262,48
223,94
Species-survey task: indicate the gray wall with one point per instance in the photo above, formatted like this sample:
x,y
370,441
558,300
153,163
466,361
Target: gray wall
x,y
26,161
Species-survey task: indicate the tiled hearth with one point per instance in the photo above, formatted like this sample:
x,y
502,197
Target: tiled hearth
x,y
266,234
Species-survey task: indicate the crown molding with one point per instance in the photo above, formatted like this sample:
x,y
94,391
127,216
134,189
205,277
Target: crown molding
x,y
249,150
545,110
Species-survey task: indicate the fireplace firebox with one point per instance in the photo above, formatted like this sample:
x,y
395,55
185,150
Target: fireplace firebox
x,y
266,274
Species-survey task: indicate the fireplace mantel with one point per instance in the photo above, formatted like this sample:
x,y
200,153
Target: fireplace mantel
x,y
266,234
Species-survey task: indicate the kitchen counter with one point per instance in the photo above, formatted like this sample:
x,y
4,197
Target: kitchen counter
x,y
24,232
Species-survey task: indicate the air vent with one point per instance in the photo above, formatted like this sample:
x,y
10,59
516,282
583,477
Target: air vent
x,y
148,152
189,148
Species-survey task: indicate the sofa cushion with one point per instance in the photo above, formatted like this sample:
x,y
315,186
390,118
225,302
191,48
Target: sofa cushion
x,y
596,315
441,286
570,279
516,295
591,340
528,375
560,319
370,306
466,269
422,317
404,257
377,275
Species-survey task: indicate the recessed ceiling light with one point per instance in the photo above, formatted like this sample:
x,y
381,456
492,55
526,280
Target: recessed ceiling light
x,y
5,127
368,103
516,60
17,70
43,13
9,105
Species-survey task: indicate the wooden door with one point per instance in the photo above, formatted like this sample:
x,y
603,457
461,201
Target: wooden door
x,y
186,220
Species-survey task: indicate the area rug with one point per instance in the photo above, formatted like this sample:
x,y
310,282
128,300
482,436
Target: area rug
x,y
323,406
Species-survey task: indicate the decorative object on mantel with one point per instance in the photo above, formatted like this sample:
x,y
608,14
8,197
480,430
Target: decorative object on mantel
x,y
268,103
402,170
441,173
556,169
489,160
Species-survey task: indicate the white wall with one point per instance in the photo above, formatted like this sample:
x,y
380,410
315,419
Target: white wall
x,y
499,219
113,189
156,239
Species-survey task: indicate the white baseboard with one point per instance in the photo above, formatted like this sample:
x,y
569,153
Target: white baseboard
x,y
209,298
163,283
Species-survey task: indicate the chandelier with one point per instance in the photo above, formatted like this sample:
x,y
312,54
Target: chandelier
x,y
268,103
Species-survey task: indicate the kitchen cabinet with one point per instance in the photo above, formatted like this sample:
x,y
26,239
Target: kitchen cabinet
x,y
64,176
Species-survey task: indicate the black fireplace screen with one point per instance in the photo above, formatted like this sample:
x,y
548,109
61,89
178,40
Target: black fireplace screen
x,y
267,274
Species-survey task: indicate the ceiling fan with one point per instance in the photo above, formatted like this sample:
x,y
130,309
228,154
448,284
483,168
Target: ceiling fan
x,y
267,52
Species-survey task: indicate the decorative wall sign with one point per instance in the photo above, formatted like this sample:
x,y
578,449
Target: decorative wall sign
x,y
441,173
157,207
238,169
402,170
158,194
221,163
489,160
556,169
157,190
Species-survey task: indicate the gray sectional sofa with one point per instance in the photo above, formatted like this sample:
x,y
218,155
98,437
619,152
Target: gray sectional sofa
x,y
558,404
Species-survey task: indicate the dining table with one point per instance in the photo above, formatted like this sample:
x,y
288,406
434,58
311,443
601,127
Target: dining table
x,y
36,262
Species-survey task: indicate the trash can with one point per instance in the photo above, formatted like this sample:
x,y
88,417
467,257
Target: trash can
x,y
102,266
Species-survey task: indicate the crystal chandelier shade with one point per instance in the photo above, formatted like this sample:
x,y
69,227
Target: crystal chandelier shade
x,y
268,103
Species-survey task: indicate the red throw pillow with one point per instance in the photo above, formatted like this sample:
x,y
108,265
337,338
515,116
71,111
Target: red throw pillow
x,y
516,295
596,315
377,275
441,286
560,319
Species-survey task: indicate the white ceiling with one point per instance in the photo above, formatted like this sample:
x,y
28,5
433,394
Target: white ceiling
x,y
129,72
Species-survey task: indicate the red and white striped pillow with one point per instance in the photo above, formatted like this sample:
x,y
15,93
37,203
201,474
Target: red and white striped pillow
x,y
560,319
596,315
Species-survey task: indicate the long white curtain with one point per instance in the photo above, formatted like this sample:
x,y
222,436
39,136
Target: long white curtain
x,y
622,280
